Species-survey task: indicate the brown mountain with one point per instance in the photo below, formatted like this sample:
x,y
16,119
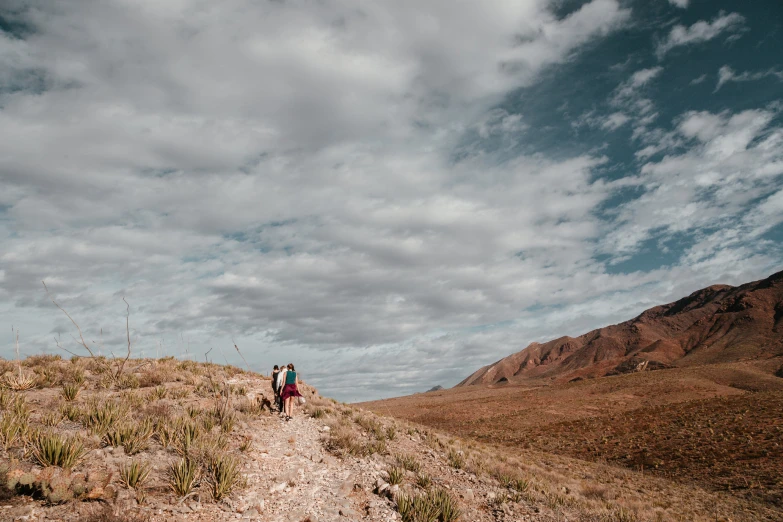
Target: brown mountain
x,y
720,323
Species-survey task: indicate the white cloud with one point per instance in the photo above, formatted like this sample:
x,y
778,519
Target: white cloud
x,y
726,74
683,4
701,31
282,172
716,166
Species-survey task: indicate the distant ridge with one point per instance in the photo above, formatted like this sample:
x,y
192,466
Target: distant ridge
x,y
720,323
435,388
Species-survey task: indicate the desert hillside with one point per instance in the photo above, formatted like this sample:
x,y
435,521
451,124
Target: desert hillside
x,y
90,439
714,325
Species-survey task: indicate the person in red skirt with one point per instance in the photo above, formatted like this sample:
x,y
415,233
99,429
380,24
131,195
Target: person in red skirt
x,y
290,391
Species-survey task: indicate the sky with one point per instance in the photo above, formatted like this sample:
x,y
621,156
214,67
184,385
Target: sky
x,y
389,194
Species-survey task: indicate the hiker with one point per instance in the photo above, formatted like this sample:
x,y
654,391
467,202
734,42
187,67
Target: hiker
x,y
280,384
290,391
275,387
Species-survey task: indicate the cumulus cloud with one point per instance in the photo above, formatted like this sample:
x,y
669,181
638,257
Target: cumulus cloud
x,y
282,172
715,166
309,179
700,32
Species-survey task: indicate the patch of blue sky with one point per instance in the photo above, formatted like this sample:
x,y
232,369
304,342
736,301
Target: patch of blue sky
x,y
558,108
661,250
12,25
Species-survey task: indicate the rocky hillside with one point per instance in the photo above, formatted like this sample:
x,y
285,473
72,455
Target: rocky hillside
x,y
177,440
720,323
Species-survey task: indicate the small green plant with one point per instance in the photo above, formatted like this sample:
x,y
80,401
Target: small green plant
x,y
71,412
160,392
51,449
134,474
416,508
70,391
133,438
246,444
223,475
448,511
183,476
100,417
186,435
423,480
317,413
391,432
408,462
12,429
396,474
51,418
456,459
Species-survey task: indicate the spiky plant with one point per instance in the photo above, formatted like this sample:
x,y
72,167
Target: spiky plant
x,y
408,462
70,391
183,476
51,449
134,474
396,474
223,475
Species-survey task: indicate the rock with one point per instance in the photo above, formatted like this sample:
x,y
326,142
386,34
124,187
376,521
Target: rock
x,y
468,495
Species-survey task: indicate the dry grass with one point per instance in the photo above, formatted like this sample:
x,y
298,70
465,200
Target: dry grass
x,y
76,406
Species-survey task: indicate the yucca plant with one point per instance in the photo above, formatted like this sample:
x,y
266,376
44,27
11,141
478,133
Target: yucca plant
x,y
396,474
20,380
71,412
70,391
99,418
51,449
456,460
134,474
408,462
160,392
183,476
12,429
423,480
186,435
51,418
133,438
223,475
448,511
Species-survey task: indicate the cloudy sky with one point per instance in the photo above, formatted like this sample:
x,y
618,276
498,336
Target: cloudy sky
x,y
390,194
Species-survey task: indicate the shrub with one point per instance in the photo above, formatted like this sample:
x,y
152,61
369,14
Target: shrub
x,y
51,449
183,476
160,392
12,429
408,462
423,480
70,391
396,474
100,417
134,475
133,438
456,459
223,476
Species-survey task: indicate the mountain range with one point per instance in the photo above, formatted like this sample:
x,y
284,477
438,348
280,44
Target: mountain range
x,y
717,324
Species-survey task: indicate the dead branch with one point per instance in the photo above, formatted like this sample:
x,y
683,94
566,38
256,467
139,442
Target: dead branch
x,y
81,336
240,354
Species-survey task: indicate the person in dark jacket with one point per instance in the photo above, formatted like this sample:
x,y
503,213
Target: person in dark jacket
x,y
275,387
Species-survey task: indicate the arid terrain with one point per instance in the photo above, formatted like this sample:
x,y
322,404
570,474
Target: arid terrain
x,y
178,440
691,392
